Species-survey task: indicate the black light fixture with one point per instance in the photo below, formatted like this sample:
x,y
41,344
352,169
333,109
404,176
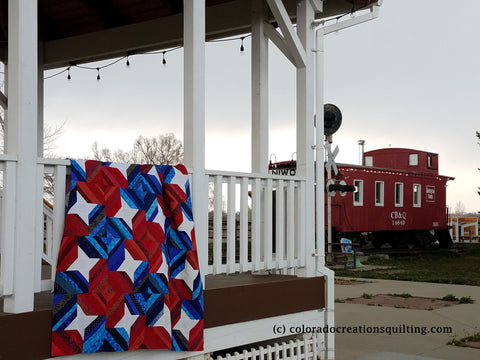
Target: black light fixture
x,y
332,119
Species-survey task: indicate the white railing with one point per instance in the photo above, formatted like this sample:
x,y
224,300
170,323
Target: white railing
x,y
55,172
293,349
48,224
256,223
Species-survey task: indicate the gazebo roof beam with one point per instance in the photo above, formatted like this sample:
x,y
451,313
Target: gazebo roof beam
x,y
291,39
278,40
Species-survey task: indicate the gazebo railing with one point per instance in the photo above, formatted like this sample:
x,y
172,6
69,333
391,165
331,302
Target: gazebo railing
x,y
256,222
48,223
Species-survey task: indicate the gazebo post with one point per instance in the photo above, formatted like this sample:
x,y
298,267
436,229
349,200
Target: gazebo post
x,y
21,142
259,77
194,119
305,126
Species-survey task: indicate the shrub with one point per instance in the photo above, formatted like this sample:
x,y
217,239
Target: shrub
x,y
403,295
450,297
466,300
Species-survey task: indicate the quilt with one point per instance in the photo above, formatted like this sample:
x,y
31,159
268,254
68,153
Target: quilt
x,y
127,276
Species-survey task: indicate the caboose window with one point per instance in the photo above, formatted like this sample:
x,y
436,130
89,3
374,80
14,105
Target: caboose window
x,y
398,194
358,193
368,160
379,193
413,159
417,195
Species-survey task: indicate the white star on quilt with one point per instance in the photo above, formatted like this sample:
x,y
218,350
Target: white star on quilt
x,y
81,321
82,208
127,320
188,274
129,265
185,324
186,226
126,213
83,264
164,319
159,218
163,269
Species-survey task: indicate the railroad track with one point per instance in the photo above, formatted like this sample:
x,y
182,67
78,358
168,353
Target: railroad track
x,y
405,252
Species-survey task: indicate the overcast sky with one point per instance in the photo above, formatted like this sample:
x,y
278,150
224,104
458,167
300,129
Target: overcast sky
x,y
409,79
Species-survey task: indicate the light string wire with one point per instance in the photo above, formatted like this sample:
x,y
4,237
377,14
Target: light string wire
x,y
351,12
132,53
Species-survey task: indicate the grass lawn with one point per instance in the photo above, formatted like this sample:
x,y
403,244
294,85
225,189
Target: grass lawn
x,y
441,266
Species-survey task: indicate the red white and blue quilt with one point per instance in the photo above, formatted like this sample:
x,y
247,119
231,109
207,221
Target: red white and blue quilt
x,y
127,274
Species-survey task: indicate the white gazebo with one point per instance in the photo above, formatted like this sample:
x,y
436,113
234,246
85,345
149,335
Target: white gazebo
x,y
36,35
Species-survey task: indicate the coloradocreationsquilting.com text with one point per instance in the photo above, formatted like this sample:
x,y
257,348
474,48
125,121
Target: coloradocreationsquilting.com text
x,y
279,329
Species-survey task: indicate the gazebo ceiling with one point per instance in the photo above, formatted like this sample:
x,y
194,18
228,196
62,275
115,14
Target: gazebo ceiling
x,y
78,31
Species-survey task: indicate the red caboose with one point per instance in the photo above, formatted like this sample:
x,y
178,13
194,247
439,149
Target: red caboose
x,y
399,198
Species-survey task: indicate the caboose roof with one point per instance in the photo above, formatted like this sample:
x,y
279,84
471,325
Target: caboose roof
x,y
397,151
79,31
363,168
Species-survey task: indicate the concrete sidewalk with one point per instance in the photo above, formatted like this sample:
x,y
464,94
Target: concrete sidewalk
x,y
463,319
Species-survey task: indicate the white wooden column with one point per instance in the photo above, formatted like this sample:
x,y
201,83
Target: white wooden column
x,y
38,202
320,150
194,119
305,124
22,142
40,97
329,314
259,85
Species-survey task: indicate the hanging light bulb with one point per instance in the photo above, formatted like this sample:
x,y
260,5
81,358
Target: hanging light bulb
x,y
164,61
98,73
128,61
242,48
68,74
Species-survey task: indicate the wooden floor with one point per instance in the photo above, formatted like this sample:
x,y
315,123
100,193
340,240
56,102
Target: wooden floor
x,y
243,297
228,299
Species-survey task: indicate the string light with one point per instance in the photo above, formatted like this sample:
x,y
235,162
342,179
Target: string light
x,y
241,38
68,75
164,61
98,73
128,61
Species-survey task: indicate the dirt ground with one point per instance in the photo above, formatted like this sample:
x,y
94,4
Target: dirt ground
x,y
412,302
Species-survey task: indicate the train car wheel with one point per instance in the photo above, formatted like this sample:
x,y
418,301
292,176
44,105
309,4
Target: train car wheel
x,y
424,239
444,238
401,240
377,240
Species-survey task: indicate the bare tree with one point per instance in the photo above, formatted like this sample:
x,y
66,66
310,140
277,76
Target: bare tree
x,y
163,149
460,209
50,136
51,133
